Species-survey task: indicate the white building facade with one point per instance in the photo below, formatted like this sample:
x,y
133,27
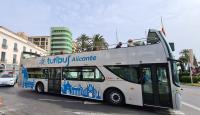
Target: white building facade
x,y
12,45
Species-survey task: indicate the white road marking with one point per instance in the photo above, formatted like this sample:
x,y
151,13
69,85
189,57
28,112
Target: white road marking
x,y
54,100
88,102
191,106
90,113
49,100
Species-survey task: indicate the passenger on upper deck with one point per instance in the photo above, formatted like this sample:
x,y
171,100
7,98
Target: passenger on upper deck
x,y
119,45
130,43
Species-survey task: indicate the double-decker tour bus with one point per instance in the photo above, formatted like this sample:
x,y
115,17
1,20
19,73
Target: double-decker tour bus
x,y
143,75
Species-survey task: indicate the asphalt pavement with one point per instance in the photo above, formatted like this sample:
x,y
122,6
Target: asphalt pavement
x,y
191,100
18,101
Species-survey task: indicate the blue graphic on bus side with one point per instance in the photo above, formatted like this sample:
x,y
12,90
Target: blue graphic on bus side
x,y
25,82
88,92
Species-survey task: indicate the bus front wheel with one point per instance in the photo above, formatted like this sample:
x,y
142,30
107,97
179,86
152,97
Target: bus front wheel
x,y
115,97
39,88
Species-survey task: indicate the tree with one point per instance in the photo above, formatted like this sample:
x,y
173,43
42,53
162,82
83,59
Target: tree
x,y
184,57
98,42
83,43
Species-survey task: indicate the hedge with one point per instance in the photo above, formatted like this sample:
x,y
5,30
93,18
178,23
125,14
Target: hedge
x,y
187,79
184,74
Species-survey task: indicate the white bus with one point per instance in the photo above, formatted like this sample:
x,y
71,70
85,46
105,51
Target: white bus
x,y
143,75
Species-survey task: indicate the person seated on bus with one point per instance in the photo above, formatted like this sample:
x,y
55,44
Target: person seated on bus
x,y
146,78
119,45
130,43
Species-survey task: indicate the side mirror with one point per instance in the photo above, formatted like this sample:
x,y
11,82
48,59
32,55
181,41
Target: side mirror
x,y
172,46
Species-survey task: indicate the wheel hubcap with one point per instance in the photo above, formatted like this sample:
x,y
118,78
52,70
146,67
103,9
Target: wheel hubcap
x,y
39,89
115,97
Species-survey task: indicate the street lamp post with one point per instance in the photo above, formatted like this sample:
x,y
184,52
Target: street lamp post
x,y
191,72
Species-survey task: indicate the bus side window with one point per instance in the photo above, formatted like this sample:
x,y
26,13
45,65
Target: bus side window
x,y
71,74
125,72
92,74
45,73
98,75
88,74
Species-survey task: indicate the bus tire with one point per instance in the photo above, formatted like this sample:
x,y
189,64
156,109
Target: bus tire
x,y
115,97
39,87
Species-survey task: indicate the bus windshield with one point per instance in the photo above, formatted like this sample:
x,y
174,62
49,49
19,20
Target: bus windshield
x,y
26,55
2,67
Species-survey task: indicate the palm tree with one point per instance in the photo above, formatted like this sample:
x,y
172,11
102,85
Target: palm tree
x,y
82,43
99,42
184,57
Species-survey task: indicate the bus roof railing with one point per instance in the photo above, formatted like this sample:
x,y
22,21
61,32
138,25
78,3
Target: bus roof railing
x,y
136,42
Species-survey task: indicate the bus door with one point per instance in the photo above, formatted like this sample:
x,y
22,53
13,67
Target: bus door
x,y
155,85
54,80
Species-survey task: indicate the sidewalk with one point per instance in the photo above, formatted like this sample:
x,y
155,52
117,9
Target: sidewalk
x,y
1,104
1,101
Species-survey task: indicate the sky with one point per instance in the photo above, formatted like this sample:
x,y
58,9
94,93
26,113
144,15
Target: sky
x,y
130,18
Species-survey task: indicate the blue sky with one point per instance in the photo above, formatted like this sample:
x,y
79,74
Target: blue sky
x,y
131,18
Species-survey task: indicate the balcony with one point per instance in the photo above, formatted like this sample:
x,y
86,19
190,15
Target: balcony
x,y
15,62
15,49
3,61
4,46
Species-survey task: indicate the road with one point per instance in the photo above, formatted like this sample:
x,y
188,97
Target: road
x,y
191,100
18,101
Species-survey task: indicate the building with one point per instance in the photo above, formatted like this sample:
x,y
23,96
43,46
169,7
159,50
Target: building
x,y
41,41
12,44
74,47
61,40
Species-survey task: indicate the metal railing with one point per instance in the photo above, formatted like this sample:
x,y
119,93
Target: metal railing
x,y
134,43
4,46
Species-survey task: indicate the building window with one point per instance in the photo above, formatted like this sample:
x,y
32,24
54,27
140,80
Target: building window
x,y
3,56
42,39
42,43
24,48
14,58
15,47
4,44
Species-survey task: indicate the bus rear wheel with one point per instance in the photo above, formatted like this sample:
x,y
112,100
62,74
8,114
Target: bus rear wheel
x,y
39,88
115,97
